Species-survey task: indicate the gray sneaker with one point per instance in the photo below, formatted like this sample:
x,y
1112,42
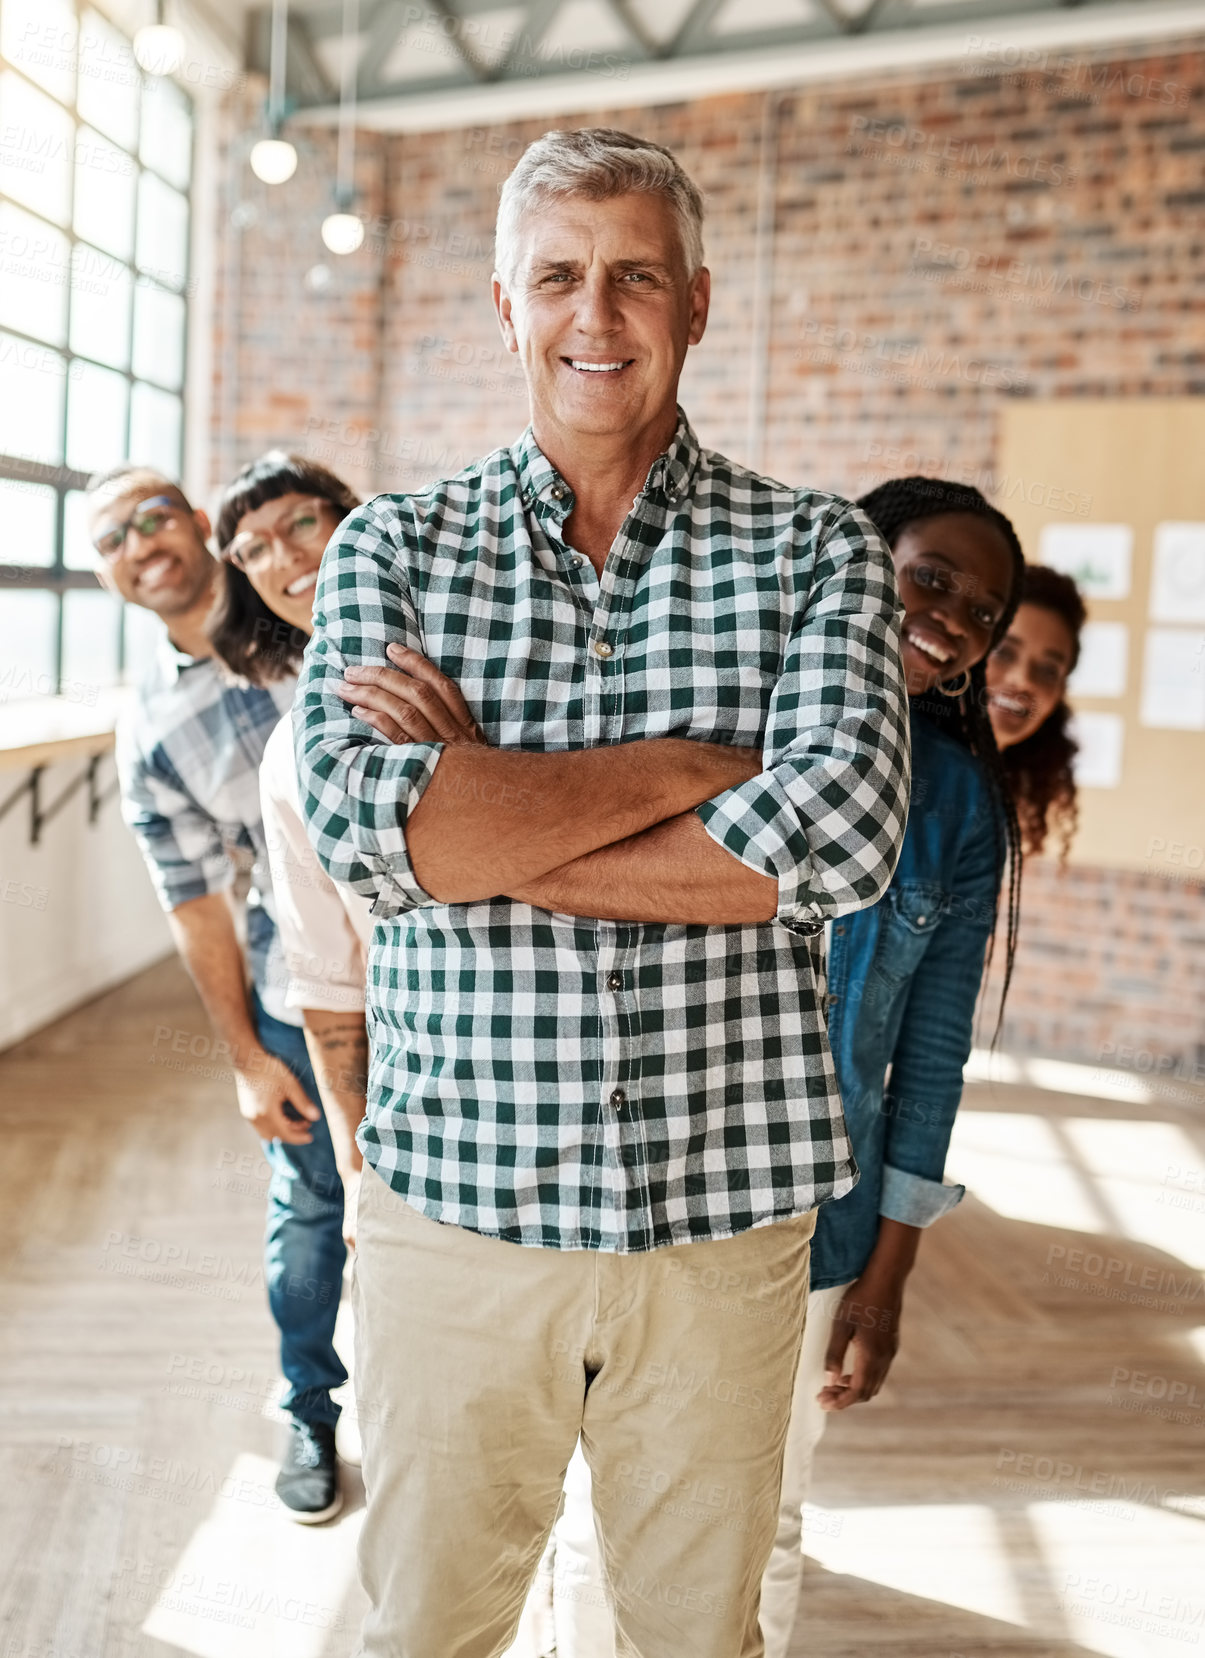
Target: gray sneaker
x,y
308,1484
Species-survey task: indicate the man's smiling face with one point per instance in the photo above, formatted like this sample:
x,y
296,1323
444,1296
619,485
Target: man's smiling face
x,y
167,572
600,311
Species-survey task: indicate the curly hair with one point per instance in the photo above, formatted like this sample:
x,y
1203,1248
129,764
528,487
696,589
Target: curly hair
x,y
1040,769
247,634
893,507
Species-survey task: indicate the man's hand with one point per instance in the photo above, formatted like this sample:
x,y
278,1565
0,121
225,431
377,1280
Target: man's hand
x,y
865,1336
411,702
265,1086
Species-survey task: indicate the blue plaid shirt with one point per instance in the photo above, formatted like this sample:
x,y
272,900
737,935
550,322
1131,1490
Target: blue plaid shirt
x,y
572,1083
188,754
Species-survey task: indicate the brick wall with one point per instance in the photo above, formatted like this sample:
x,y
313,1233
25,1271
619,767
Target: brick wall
x,y
936,243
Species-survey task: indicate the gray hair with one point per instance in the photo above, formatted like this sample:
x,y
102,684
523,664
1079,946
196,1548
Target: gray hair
x,y
598,163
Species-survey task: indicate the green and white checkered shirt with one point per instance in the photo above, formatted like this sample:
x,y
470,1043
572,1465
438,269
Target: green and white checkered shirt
x,y
580,1084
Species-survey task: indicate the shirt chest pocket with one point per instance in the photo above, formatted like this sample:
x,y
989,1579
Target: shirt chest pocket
x,y
913,913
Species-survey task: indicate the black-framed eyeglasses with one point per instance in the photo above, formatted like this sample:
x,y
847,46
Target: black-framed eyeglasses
x,y
304,528
149,517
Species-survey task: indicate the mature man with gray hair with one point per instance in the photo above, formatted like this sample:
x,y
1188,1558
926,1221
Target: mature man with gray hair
x,y
608,727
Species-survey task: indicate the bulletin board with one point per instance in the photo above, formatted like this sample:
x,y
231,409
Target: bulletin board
x,y
1073,475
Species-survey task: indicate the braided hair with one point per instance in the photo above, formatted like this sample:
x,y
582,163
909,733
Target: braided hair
x,y
1039,769
893,507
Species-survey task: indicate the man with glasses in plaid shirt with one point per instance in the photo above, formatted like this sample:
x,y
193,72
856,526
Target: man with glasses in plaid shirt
x,y
608,727
188,754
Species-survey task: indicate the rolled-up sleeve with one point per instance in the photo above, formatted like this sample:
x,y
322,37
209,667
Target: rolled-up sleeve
x,y
180,842
826,818
925,1084
357,791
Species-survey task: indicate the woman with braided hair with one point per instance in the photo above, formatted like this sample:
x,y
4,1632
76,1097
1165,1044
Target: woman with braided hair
x,y
904,975
1026,684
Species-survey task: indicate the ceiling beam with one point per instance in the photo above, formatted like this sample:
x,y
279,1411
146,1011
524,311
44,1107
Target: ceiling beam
x,y
693,62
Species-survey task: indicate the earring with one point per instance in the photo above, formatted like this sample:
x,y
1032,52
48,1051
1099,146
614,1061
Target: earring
x,y
959,690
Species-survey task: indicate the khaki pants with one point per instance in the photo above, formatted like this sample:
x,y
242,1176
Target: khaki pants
x,y
577,1574
479,1363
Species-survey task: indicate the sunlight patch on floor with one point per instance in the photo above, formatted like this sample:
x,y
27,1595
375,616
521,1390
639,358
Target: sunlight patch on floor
x,y
949,1552
251,1583
1129,1179
1126,1576
1116,1577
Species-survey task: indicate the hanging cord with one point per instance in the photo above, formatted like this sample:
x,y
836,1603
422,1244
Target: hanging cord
x,y
277,50
345,165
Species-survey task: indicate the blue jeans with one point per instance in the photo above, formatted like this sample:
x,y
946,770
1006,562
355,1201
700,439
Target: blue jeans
x,y
304,1250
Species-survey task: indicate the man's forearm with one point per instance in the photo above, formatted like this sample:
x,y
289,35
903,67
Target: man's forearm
x,y
492,821
338,1047
673,872
205,936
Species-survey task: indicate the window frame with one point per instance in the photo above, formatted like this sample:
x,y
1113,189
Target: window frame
x,y
56,577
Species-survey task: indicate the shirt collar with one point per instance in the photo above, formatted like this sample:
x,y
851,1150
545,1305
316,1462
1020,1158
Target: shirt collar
x,y
173,662
670,475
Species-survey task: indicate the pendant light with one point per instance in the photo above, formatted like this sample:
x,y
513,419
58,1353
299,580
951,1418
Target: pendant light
x,y
343,230
273,159
158,47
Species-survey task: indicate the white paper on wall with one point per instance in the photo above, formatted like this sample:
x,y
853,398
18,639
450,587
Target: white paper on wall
x,y
1173,679
1104,649
1178,573
1096,556
1100,738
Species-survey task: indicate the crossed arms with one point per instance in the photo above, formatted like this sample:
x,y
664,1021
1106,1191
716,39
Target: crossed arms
x,y
405,803
606,832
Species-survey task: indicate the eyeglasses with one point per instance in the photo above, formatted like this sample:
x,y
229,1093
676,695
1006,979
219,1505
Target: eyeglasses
x,y
148,518
304,529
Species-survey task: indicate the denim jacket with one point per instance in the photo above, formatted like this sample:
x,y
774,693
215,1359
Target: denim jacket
x,y
903,980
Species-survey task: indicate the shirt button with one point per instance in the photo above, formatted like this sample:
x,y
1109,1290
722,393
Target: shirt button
x,y
618,1098
578,561
603,649
558,494
614,981
921,919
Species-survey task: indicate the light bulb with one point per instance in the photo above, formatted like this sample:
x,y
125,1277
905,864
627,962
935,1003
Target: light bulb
x,y
273,160
159,49
342,232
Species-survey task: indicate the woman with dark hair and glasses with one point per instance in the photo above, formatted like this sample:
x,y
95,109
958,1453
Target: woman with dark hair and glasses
x,y
273,525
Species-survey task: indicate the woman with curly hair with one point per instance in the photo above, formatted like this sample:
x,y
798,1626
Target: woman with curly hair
x,y
1026,702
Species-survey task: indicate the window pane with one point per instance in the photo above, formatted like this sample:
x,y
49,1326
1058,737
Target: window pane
x,y
29,623
100,306
166,143
109,81
156,423
26,523
35,157
91,632
32,379
144,634
96,417
34,261
158,335
39,38
78,551
162,232
105,181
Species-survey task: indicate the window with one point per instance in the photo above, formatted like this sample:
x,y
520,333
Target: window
x,y
95,165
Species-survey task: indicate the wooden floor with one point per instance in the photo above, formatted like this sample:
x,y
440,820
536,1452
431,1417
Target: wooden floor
x,y
1031,1481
